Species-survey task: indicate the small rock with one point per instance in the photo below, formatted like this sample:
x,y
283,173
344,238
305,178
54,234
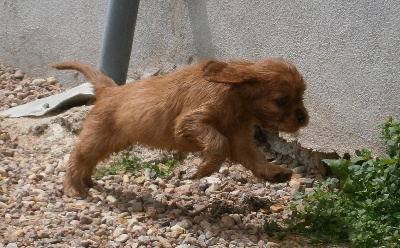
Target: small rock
x,y
152,230
178,229
118,231
164,242
203,186
38,81
18,234
136,206
86,243
19,74
299,169
151,72
212,180
277,208
7,153
140,180
169,190
43,234
151,212
122,238
210,234
153,187
135,228
4,136
3,172
295,185
308,182
185,224
71,215
126,178
38,129
261,243
272,245
185,189
213,187
224,170
111,199
199,207
228,221
85,220
11,245
49,169
52,80
237,218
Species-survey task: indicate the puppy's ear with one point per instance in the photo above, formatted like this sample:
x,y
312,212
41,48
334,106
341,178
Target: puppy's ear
x,y
228,72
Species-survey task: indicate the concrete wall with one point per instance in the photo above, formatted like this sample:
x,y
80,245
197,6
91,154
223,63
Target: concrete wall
x,y
349,51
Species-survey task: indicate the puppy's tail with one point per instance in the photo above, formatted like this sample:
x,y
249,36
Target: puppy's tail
x,y
99,80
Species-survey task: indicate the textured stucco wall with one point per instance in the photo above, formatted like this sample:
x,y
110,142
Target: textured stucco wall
x,y
349,51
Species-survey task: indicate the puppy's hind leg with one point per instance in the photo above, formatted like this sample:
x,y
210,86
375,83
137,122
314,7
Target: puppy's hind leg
x,y
192,131
77,177
95,144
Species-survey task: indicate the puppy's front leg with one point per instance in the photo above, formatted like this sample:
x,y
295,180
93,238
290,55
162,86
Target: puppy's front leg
x,y
245,152
194,132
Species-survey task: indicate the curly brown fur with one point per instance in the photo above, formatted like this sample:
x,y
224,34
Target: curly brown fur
x,y
210,107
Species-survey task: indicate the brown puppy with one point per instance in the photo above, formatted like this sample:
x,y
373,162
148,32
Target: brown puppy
x,y
210,107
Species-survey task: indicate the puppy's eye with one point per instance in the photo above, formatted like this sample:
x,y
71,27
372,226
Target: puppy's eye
x,y
281,102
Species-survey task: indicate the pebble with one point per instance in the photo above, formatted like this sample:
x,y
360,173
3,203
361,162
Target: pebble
x,y
3,172
277,208
52,80
300,169
228,221
85,220
111,199
178,229
272,245
213,187
126,178
18,74
38,81
136,206
122,238
12,245
140,180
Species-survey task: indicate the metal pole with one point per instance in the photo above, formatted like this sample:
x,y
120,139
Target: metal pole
x,y
117,39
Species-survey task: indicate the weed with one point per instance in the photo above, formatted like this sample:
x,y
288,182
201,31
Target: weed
x,y
365,210
130,165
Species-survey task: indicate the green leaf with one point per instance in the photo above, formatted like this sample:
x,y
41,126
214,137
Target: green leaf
x,y
365,209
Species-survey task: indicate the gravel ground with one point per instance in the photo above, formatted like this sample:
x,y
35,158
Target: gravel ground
x,y
227,209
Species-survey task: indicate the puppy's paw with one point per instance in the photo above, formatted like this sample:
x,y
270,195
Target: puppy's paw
x,y
274,173
74,191
205,170
201,173
282,176
89,182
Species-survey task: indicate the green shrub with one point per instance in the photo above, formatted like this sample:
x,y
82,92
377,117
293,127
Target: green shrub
x,y
131,165
365,210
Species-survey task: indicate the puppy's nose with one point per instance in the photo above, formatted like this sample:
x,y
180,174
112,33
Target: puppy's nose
x,y
301,116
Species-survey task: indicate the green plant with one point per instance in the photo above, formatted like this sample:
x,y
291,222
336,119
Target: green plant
x,y
365,209
127,164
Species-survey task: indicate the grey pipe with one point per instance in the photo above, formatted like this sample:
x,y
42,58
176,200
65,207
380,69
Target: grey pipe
x,y
117,39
